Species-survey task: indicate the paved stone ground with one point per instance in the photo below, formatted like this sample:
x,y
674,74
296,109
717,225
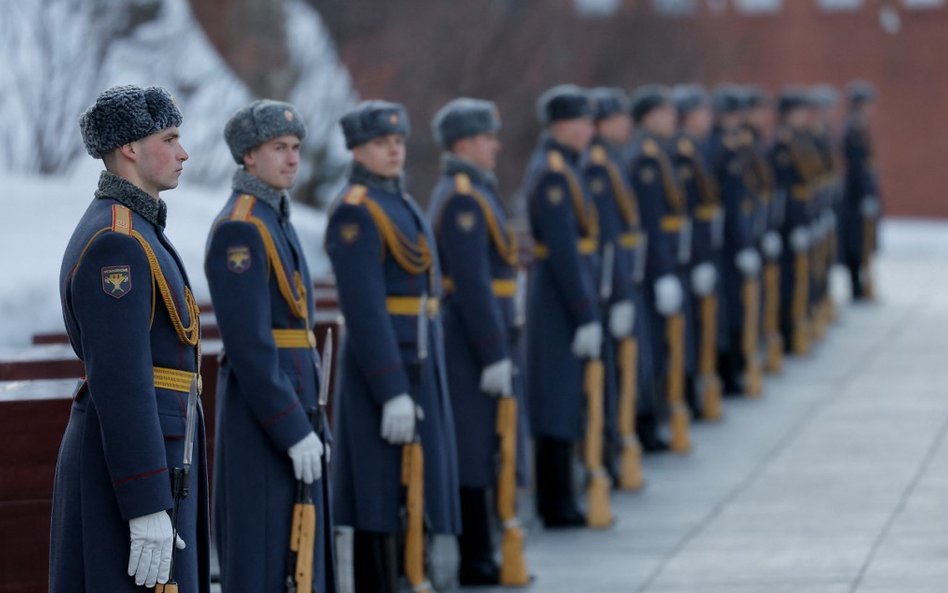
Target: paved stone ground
x,y
836,481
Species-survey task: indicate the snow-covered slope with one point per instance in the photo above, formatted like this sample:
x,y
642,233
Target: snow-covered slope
x,y
58,55
39,215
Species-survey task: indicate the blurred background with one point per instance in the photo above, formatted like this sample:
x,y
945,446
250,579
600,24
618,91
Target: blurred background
x,y
325,55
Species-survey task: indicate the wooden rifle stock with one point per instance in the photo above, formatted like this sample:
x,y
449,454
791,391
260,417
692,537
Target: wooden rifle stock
x,y
302,545
675,383
707,360
599,513
801,293
774,344
513,565
868,248
630,465
749,340
413,475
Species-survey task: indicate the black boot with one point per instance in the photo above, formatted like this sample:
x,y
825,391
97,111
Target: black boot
x,y
478,566
556,503
374,562
646,428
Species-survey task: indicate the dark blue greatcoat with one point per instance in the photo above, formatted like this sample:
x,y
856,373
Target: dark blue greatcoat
x,y
376,351
124,434
665,217
478,259
730,165
264,392
700,189
794,170
620,226
860,181
562,294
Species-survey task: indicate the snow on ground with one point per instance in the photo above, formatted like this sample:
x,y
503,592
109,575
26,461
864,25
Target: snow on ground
x,y
39,215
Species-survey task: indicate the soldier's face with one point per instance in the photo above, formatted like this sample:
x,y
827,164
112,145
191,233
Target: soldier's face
x,y
159,160
575,133
382,155
616,129
481,150
698,122
662,120
276,161
760,118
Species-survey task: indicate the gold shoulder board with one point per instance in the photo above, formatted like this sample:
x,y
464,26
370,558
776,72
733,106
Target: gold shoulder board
x,y
355,195
462,183
598,155
121,219
555,161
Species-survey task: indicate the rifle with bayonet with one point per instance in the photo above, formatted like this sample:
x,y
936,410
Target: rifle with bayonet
x,y
753,372
675,383
299,563
413,470
180,475
599,513
513,565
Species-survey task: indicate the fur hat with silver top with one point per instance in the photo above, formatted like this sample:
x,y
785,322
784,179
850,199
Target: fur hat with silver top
x,y
371,119
689,97
565,101
463,118
259,122
123,114
609,101
648,98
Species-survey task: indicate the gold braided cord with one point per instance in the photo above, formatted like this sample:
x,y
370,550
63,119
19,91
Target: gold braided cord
x,y
413,258
706,185
624,197
506,243
672,193
586,213
298,304
191,334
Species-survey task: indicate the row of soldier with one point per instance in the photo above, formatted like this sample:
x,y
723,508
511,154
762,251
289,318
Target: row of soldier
x,y
659,262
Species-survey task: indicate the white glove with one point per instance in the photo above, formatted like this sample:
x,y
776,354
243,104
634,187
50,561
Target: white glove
x,y
398,419
497,378
748,261
772,245
587,341
306,456
668,295
869,207
149,560
800,239
703,278
622,319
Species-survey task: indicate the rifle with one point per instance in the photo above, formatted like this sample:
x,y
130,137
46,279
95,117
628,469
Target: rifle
x,y
299,564
513,565
180,475
630,464
754,374
675,387
599,513
801,292
711,391
413,472
772,334
868,248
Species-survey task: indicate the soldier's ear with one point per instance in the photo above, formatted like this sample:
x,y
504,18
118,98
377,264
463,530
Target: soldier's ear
x,y
129,151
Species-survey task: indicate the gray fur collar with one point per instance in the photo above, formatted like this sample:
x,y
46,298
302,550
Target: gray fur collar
x,y
452,164
247,183
126,193
362,176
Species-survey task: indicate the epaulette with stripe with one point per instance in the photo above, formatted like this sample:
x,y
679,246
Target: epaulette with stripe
x,y
121,219
462,184
650,148
555,161
685,147
597,154
243,209
356,195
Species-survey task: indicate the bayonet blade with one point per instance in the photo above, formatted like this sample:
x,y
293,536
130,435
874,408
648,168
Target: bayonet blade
x,y
605,283
326,362
423,328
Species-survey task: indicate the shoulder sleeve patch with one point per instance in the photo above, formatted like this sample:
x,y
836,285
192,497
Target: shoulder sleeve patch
x,y
466,220
238,258
117,280
555,195
555,161
647,174
349,232
597,185
356,195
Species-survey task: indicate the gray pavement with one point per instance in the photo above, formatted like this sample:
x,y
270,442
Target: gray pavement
x,y
836,481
